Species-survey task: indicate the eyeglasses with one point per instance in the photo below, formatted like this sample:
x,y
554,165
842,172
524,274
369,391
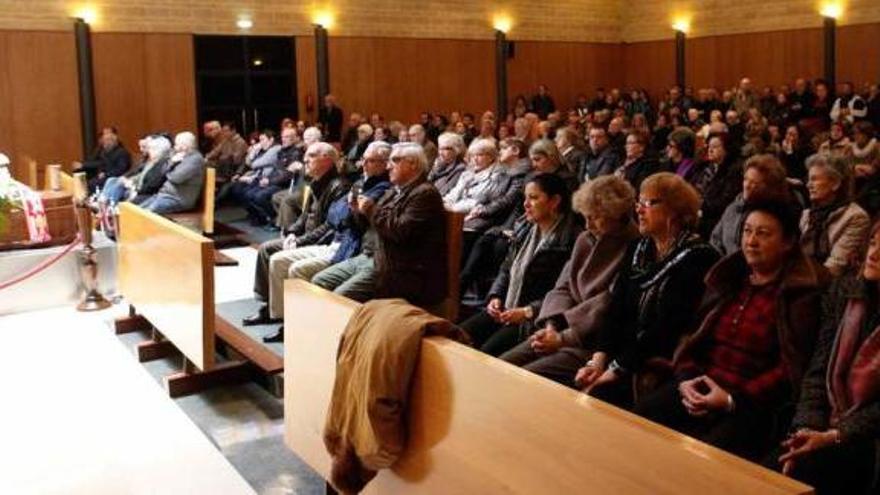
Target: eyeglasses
x,y
397,159
647,203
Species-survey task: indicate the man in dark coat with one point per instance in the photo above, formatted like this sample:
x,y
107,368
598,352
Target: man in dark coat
x,y
602,159
409,220
110,159
331,119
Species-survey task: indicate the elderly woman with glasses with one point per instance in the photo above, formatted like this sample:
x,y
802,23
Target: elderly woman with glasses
x,y
655,297
834,227
449,165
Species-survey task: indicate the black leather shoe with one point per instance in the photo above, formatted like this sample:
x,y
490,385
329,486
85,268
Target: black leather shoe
x,y
261,317
278,336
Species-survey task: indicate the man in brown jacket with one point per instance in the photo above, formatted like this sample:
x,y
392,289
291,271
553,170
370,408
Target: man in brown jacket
x,y
227,153
409,221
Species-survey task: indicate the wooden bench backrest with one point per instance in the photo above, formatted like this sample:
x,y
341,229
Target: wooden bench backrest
x,y
167,272
454,226
207,201
33,174
479,425
65,181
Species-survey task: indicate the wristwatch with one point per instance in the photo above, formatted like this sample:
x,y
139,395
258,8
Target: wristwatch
x,y
616,368
529,312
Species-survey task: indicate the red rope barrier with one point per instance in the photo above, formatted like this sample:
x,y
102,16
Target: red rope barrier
x,y
40,267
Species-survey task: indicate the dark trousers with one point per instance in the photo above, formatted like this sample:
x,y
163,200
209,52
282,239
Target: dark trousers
x,y
484,259
492,337
561,366
259,202
746,432
261,275
845,469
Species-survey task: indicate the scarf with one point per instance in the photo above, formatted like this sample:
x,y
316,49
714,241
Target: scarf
x,y
854,367
534,242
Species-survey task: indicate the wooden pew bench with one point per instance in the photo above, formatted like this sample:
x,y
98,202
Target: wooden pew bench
x,y
166,273
479,425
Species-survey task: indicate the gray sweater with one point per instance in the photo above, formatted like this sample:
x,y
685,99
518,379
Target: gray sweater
x,y
184,180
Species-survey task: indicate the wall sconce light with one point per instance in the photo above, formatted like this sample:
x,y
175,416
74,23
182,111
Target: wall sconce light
x,y
832,10
502,22
244,23
324,18
682,25
88,13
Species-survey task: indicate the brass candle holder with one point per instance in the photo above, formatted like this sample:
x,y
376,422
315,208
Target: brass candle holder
x,y
93,300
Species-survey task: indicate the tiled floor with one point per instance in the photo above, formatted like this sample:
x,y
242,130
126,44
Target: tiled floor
x,y
244,423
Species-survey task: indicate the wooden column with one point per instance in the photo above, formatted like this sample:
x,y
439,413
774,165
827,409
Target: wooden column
x,y
322,62
680,38
85,75
829,33
501,48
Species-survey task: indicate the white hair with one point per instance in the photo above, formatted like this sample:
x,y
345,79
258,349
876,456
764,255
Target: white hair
x,y
185,140
483,145
412,151
453,140
157,146
380,148
323,149
312,135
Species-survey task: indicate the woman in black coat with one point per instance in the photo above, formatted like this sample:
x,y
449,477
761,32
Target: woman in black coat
x,y
540,248
837,422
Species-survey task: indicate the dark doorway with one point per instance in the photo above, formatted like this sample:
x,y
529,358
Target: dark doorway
x,y
248,80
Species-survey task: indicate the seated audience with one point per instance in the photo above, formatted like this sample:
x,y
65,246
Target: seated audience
x,y
184,178
656,293
490,249
254,188
406,227
680,151
834,227
793,153
719,181
837,144
449,165
146,179
601,158
763,173
833,444
538,252
571,146
311,228
110,159
227,154
305,258
496,203
577,306
739,372
848,106
288,204
416,134
480,181
866,166
636,165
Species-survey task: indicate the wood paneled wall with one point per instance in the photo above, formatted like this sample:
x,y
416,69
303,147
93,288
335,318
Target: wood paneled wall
x,y
858,53
306,78
39,107
567,69
400,78
144,83
649,65
771,58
